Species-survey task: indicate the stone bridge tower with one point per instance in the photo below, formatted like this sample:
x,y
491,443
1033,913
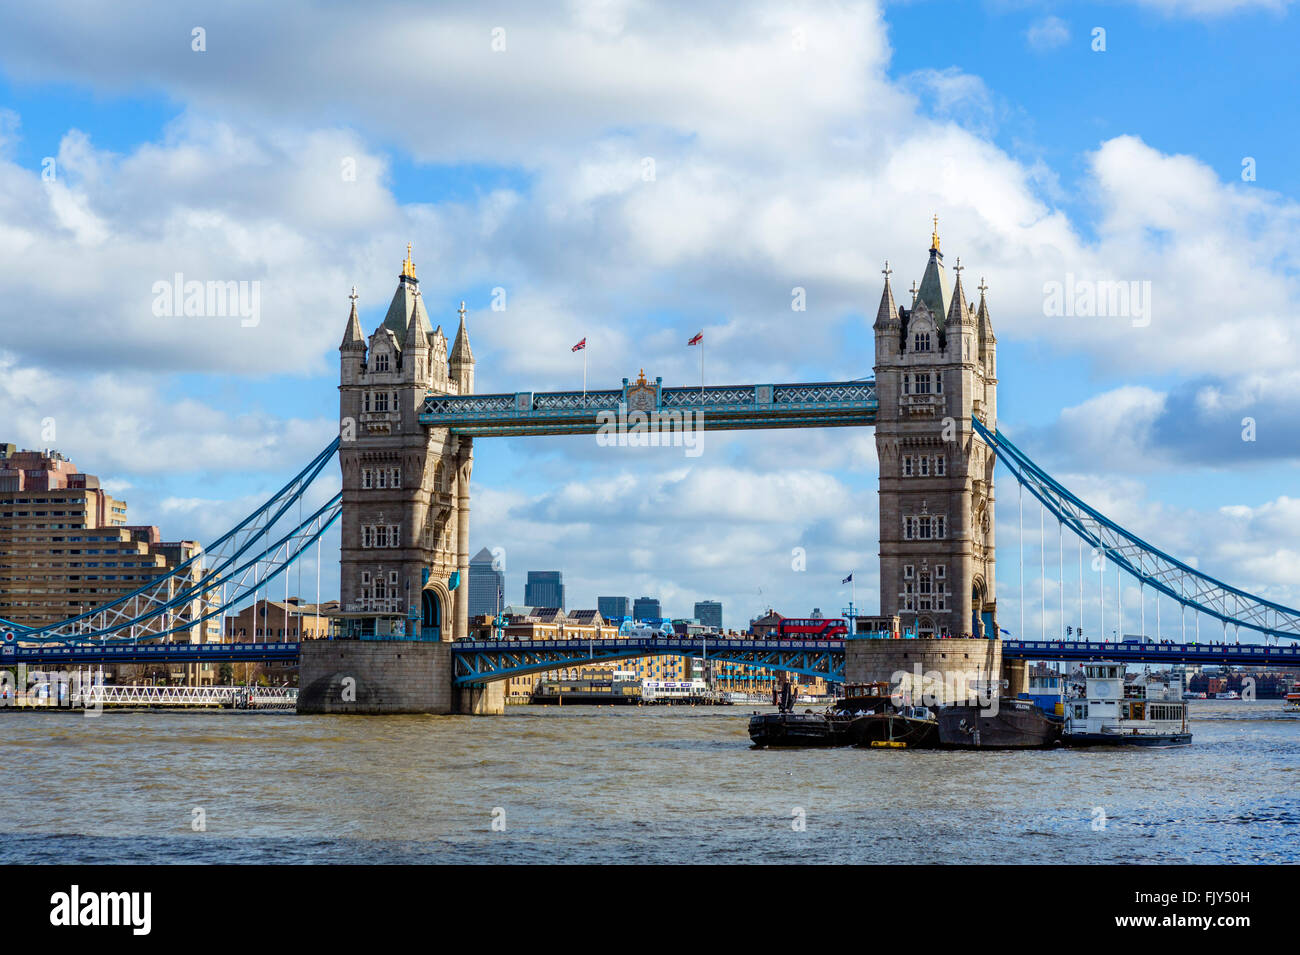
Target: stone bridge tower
x,y
404,565
936,366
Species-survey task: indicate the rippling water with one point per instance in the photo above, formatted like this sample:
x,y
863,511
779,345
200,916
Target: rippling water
x,y
624,785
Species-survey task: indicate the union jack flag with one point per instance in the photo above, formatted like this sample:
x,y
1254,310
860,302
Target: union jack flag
x,y
581,345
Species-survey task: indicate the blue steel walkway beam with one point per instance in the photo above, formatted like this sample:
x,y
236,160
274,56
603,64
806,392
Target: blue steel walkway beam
x,y
1149,565
486,661
715,408
1245,654
148,653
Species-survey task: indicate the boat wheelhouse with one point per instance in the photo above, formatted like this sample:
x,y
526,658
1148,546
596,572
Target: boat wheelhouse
x,y
1293,698
1111,712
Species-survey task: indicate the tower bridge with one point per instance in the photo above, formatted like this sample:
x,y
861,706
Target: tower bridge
x,y
409,417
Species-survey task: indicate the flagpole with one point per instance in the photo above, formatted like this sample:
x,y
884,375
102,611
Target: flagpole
x,y
701,369
584,370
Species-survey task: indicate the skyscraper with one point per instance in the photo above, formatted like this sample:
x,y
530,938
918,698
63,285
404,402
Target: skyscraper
x,y
614,608
709,613
485,583
647,608
544,588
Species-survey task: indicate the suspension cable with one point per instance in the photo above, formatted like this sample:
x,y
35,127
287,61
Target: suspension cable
x,y
1020,539
1042,568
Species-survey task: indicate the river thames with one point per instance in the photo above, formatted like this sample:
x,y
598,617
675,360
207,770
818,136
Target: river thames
x,y
582,784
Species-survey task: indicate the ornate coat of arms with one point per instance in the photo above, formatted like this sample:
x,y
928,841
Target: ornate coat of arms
x,y
642,396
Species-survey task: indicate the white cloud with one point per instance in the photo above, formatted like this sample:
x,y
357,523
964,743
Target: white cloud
x,y
1206,9
775,167
685,533
1048,33
120,426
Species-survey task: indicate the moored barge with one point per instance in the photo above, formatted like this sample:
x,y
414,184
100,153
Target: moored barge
x,y
1012,724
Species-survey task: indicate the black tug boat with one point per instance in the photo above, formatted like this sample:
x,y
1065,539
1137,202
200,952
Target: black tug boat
x,y
910,727
788,728
1016,724
864,717
797,729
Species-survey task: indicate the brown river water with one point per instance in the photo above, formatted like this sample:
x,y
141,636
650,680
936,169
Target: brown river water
x,y
624,785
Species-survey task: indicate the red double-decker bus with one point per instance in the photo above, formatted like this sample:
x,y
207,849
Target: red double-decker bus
x,y
812,628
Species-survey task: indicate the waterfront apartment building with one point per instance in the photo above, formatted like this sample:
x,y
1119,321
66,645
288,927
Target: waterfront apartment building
x,y
709,613
277,621
544,588
614,608
66,547
280,621
647,608
487,585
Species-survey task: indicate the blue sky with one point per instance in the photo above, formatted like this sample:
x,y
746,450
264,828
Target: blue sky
x,y
775,168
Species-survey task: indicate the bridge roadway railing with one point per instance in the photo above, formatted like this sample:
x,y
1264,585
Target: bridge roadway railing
x,y
485,661
120,652
1243,654
716,407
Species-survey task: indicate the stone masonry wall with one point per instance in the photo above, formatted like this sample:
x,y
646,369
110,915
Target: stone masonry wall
x,y
389,676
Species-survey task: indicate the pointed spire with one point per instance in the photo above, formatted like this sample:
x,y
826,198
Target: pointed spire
x,y
352,337
406,303
460,350
417,329
959,311
887,314
982,318
934,283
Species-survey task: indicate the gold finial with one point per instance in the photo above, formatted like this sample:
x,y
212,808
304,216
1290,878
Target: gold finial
x,y
641,378
408,267
934,236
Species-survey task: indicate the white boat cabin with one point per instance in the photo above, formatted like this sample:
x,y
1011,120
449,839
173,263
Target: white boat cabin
x,y
1110,706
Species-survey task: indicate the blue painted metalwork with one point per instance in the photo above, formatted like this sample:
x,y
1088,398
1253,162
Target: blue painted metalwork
x,y
485,661
1134,652
719,407
160,597
255,573
148,653
1147,564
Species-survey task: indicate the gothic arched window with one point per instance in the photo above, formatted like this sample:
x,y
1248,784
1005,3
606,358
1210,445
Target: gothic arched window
x,y
921,342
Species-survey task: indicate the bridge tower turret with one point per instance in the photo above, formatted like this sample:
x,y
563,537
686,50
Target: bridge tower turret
x,y
935,368
404,562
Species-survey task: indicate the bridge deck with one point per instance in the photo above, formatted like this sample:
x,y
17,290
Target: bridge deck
x,y
149,653
1226,654
718,407
478,658
480,661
